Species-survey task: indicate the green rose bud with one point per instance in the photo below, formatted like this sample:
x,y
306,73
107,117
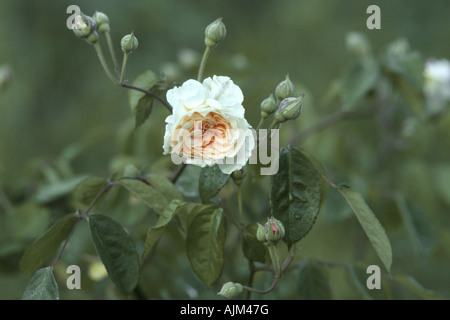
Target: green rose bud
x,y
85,28
274,230
102,21
230,289
129,43
268,106
271,232
285,89
215,33
289,109
238,176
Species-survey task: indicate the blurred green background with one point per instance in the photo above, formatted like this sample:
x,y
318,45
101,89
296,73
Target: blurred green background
x,y
59,103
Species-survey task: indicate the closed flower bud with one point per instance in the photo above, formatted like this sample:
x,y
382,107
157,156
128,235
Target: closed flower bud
x,y
129,43
215,33
238,176
271,232
85,28
230,289
102,21
285,89
289,109
274,230
268,106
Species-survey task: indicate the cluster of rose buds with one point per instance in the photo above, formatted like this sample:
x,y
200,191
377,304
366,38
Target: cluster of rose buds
x,y
87,28
283,102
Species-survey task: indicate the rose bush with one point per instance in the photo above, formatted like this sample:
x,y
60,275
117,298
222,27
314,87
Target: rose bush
x,y
208,126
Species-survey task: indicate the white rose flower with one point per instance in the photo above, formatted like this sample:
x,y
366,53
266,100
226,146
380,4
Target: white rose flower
x,y
207,125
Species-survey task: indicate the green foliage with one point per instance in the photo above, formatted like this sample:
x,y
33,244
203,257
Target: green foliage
x,y
46,246
252,248
117,251
204,242
42,286
77,143
155,232
145,80
295,194
140,103
358,79
371,225
211,181
86,191
147,193
313,282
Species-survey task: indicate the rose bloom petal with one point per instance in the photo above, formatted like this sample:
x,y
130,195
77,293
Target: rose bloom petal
x,y
208,126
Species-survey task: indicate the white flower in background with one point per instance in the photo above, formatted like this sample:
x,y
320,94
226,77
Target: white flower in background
x,y
437,84
207,125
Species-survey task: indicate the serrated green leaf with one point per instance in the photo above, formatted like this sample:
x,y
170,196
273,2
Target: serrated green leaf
x,y
46,246
370,224
313,282
145,80
116,250
295,194
204,243
253,249
357,80
143,110
86,191
155,232
211,181
152,197
42,286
